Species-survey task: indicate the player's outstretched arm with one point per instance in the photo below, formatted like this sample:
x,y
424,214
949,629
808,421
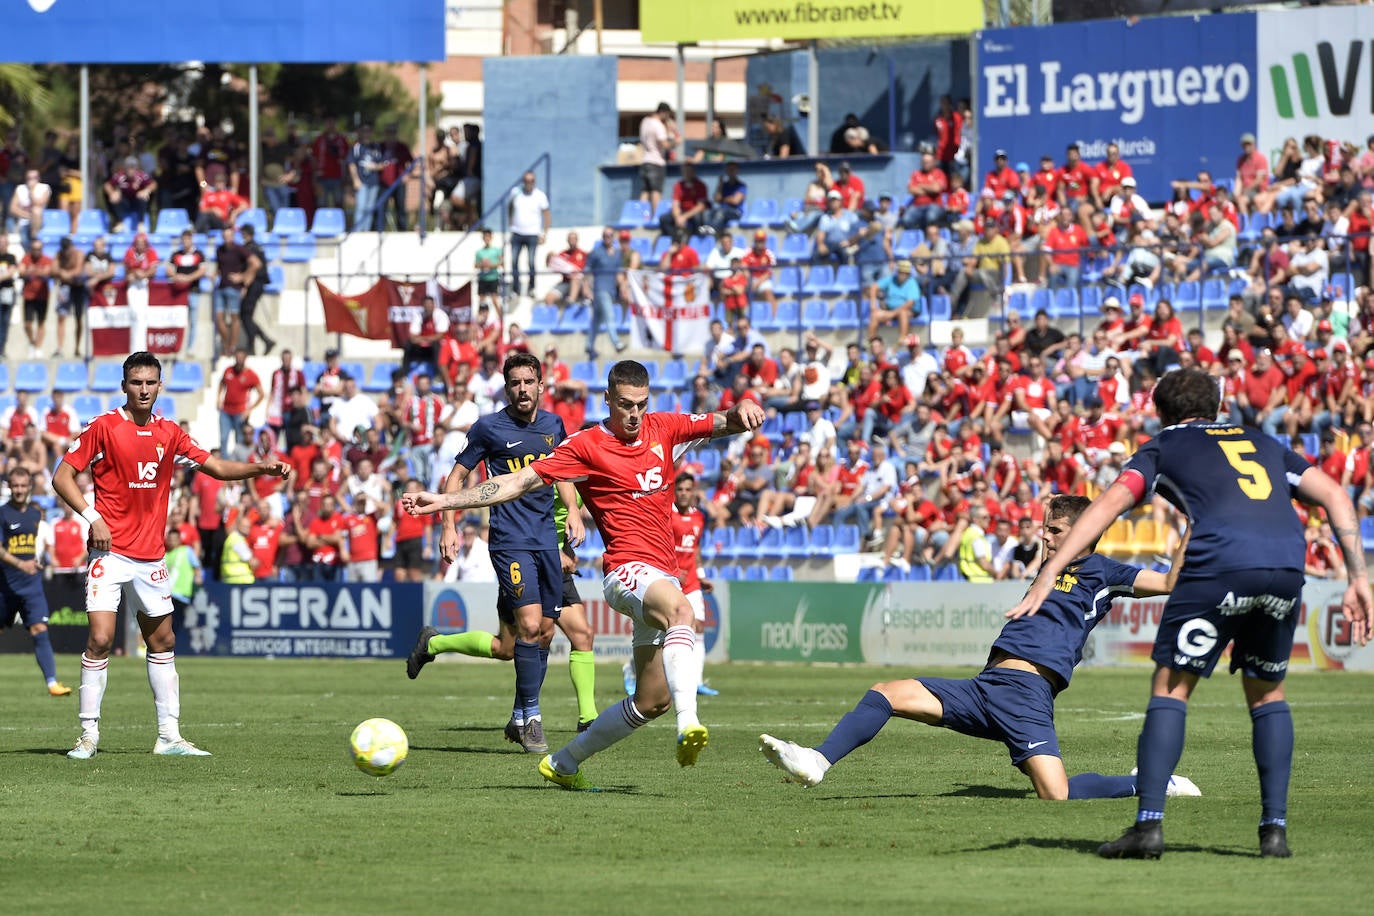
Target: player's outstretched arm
x,y
220,469
1096,519
742,418
498,490
1358,605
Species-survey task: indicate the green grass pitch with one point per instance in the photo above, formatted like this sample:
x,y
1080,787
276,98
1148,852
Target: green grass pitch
x,y
921,820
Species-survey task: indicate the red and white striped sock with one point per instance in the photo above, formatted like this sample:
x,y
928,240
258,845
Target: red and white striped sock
x,y
680,666
91,693
162,677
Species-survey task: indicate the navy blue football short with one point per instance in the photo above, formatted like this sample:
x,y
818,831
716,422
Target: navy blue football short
x,y
28,601
1001,704
527,577
1257,609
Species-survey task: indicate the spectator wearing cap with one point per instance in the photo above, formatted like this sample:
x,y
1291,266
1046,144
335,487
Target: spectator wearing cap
x,y
728,199
1252,173
926,185
835,233
931,260
1002,177
1260,392
1109,177
850,186
603,273
896,296
1127,207
759,262
886,214
917,365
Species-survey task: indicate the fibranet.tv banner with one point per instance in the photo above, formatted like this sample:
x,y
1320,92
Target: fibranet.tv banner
x,y
1174,94
727,20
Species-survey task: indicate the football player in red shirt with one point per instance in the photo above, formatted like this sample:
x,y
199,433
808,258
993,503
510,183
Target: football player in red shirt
x,y
133,456
688,525
624,471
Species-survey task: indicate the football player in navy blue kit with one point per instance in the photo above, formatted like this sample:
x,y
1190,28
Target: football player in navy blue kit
x,y
524,542
1240,581
21,585
1012,699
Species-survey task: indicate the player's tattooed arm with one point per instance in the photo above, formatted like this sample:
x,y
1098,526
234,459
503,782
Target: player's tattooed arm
x,y
499,490
744,417
1352,549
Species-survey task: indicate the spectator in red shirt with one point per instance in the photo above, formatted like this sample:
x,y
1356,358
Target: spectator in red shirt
x,y
1261,394
1064,243
128,191
1075,184
219,206
1002,178
327,542
1108,176
328,152
571,263
235,386
35,270
1046,181
949,134
927,184
690,199
1252,173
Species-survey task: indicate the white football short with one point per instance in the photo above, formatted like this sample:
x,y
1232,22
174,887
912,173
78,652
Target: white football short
x,y
145,585
625,588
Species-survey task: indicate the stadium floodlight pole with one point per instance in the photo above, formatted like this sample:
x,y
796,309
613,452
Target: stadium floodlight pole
x,y
681,97
85,116
813,98
254,146
422,145
710,96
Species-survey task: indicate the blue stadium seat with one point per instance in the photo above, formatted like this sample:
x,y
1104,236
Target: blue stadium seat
x,y
844,314
255,217
1065,303
673,377
941,308
31,377
780,573
328,223
4,377
869,574
908,241
92,222
661,245
787,281
760,213
823,541
6,402
918,573
790,205
1019,303
710,464
746,542
543,319
71,376
41,404
788,317
634,214
770,544
729,573
664,207
1090,297
289,221
1187,296
87,407
583,371
312,370
172,220
276,279
379,379
795,543
702,245
1214,294
761,316
56,223
893,574
596,408
1341,285
1367,532
354,369
1252,225
298,248
847,280
795,247
644,245
116,400
186,376
1311,443
716,542
947,572
666,402
108,376
1039,299
820,281
847,539
815,313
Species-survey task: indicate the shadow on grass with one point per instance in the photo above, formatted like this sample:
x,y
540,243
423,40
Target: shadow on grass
x,y
967,791
600,790
1089,847
869,797
475,728
464,749
60,752
362,794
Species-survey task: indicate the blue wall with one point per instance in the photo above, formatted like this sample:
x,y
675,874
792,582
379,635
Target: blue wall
x,y
563,106
775,178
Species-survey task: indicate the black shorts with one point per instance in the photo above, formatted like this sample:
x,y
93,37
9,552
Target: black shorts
x,y
526,577
651,177
570,594
1255,609
410,554
488,287
36,309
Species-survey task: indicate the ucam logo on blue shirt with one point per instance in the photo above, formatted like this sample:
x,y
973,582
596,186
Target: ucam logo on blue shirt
x,y
246,31
1174,94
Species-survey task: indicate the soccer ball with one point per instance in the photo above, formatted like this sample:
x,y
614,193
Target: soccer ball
x,y
378,747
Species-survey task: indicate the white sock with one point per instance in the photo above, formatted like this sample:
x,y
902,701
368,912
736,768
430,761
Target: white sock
x,y
613,724
92,691
162,677
699,653
680,667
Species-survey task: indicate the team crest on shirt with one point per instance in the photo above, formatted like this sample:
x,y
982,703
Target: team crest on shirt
x,y
548,440
160,450
657,449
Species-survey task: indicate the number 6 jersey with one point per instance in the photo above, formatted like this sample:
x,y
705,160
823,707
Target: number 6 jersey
x,y
628,486
1235,484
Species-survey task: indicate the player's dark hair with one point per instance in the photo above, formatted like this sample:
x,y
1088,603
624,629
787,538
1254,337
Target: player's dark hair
x,y
521,359
1067,507
142,359
628,372
1186,393
684,475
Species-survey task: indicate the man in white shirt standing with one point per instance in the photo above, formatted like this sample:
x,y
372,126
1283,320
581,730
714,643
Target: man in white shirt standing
x,y
918,365
529,220
657,135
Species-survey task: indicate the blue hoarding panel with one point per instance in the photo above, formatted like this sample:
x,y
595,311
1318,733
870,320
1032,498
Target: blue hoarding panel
x,y
1175,94
241,31
307,620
